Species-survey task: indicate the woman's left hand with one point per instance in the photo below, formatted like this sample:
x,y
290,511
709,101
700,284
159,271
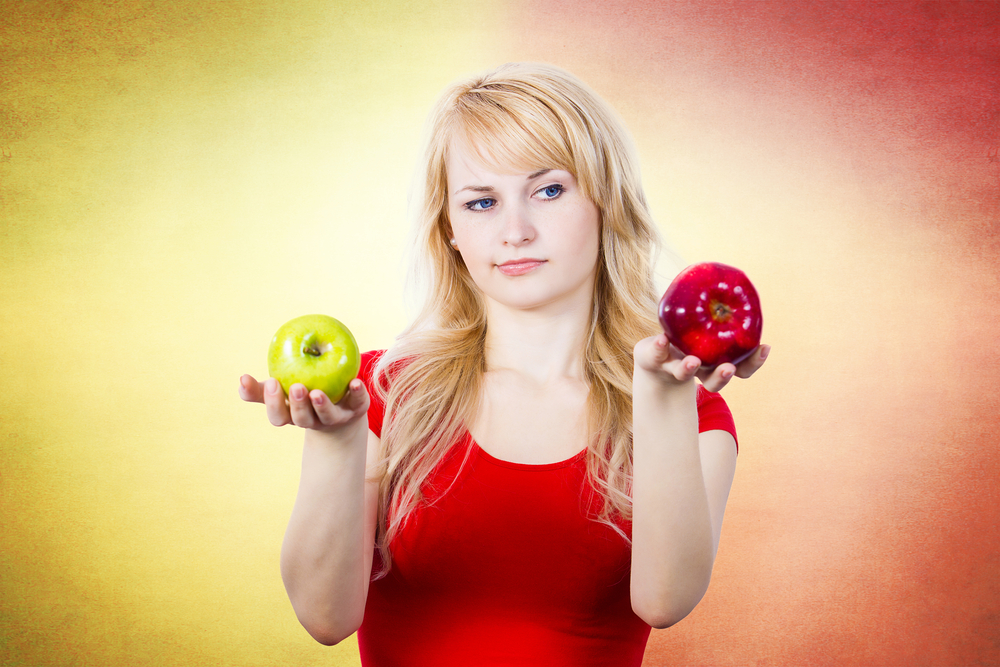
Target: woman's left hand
x,y
657,356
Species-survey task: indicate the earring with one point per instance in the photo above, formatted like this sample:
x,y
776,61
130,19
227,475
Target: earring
x,y
454,243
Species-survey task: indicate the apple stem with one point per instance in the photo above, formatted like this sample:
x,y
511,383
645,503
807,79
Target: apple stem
x,y
721,311
313,350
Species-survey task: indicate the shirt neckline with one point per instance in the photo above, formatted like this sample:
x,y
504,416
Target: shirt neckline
x,y
514,465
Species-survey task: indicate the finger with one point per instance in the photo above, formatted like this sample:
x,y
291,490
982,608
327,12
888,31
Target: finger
x,y
251,390
356,397
274,399
326,411
719,377
751,364
355,400
685,369
652,353
301,407
661,349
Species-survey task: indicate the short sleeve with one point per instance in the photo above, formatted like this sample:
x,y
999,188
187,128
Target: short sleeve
x,y
714,414
376,411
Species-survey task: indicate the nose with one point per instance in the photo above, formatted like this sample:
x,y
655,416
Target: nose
x,y
518,228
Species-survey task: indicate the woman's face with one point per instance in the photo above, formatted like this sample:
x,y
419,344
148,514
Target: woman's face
x,y
529,239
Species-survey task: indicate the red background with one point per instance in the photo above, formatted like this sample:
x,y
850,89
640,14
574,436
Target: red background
x,y
862,528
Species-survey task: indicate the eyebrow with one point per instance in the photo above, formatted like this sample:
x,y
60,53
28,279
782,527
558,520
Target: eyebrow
x,y
490,188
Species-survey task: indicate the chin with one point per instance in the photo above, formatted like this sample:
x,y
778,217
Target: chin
x,y
527,299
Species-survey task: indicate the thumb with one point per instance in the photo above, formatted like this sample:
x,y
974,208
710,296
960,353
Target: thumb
x,y
251,390
356,397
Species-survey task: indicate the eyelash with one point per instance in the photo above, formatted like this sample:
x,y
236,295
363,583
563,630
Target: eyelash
x,y
561,188
472,204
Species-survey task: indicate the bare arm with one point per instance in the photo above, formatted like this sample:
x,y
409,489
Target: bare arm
x,y
326,557
681,481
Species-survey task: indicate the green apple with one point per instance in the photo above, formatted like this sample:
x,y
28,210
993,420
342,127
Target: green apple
x,y
316,350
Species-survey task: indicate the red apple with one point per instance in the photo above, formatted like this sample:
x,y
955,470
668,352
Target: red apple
x,y
712,311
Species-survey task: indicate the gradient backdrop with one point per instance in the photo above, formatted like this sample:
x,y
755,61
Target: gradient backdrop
x,y
177,179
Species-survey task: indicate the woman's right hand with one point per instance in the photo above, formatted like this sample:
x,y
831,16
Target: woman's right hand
x,y
327,553
312,410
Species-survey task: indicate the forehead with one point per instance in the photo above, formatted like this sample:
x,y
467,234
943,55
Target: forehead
x,y
467,158
509,133
464,160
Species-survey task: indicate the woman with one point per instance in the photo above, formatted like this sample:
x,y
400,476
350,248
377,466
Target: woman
x,y
545,479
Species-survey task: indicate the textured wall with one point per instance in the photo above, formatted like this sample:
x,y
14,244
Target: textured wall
x,y
178,179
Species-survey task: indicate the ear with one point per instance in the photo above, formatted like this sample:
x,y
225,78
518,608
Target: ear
x,y
449,235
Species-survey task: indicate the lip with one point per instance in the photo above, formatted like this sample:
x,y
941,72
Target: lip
x,y
519,267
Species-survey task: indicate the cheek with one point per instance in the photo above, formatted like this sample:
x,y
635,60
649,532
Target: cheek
x,y
469,241
472,249
588,241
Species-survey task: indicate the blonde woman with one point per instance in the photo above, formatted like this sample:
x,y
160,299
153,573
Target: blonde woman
x,y
531,475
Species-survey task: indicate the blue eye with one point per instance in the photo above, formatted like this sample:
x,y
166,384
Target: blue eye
x,y
551,191
481,204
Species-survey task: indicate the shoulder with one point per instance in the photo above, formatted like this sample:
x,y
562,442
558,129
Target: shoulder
x,y
369,360
376,409
714,414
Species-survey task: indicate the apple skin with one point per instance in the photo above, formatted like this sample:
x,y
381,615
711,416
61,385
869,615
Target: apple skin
x,y
317,351
712,311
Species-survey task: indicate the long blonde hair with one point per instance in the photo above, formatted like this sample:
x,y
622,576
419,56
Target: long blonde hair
x,y
531,116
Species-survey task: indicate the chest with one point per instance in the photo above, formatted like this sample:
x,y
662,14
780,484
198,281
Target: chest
x,y
531,424
514,536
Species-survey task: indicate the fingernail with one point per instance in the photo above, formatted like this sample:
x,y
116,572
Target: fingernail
x,y
298,392
317,398
764,352
271,386
726,374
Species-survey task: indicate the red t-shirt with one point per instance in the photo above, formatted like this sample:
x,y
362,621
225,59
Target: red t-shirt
x,y
506,568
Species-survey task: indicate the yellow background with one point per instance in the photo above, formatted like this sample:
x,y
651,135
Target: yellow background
x,y
179,179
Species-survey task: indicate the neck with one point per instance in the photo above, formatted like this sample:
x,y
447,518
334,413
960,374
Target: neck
x,y
543,344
